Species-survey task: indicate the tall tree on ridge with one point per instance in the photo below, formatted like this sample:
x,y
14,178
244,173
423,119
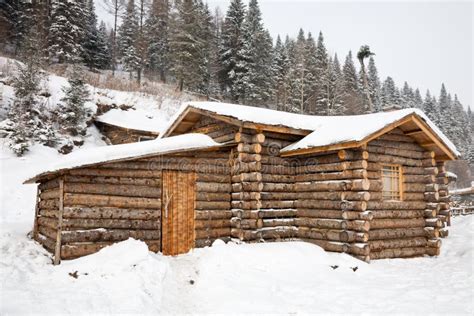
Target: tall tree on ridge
x,y
335,89
157,26
257,48
232,41
66,31
322,81
430,108
374,84
127,40
352,99
364,52
280,69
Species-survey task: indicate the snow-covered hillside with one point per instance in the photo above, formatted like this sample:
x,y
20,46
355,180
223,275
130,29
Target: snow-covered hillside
x,y
283,278
161,104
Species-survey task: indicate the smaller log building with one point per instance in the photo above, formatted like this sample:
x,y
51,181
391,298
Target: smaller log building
x,y
373,186
123,127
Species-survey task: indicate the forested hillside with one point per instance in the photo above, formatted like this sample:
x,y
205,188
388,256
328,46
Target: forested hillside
x,y
228,56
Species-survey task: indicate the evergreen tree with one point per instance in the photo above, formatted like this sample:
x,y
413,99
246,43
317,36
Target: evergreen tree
x,y
214,62
231,60
321,75
127,39
25,115
190,44
256,81
72,112
297,95
407,96
460,127
374,84
390,94
352,98
280,69
205,38
447,121
157,26
431,108
90,48
67,32
103,56
418,99
336,89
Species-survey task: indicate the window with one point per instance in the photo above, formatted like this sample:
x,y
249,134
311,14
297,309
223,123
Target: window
x,y
392,182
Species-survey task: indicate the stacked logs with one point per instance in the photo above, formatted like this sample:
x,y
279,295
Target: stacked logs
x,y
408,228
247,185
332,201
278,211
47,210
214,129
444,212
213,200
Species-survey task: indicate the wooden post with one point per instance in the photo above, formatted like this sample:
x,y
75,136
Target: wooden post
x,y
57,251
35,224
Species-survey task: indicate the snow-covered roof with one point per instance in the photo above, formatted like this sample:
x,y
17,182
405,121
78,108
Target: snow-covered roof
x,y
139,120
329,130
322,130
246,114
88,157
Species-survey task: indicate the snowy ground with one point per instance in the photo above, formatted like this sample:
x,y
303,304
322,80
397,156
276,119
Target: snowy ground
x,y
284,278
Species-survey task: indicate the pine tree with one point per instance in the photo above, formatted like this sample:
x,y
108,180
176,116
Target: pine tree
x,y
214,62
72,111
321,75
297,91
460,127
205,39
256,81
352,98
67,31
418,99
157,26
25,113
446,114
90,48
390,94
407,96
103,56
189,45
280,69
374,84
127,39
431,108
232,61
335,89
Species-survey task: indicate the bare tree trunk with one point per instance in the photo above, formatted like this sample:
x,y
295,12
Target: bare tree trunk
x,y
366,86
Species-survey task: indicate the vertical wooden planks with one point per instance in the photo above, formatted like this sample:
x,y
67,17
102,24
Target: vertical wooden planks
x,y
178,211
57,251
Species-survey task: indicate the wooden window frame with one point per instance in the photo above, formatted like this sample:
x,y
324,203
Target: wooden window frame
x,y
400,182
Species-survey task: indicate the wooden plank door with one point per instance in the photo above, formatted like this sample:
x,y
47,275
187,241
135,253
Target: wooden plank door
x,y
177,211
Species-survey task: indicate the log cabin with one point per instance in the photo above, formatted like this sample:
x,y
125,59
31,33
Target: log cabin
x,y
123,127
373,186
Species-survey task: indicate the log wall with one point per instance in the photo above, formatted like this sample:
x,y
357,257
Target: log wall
x,y
115,201
263,197
410,227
